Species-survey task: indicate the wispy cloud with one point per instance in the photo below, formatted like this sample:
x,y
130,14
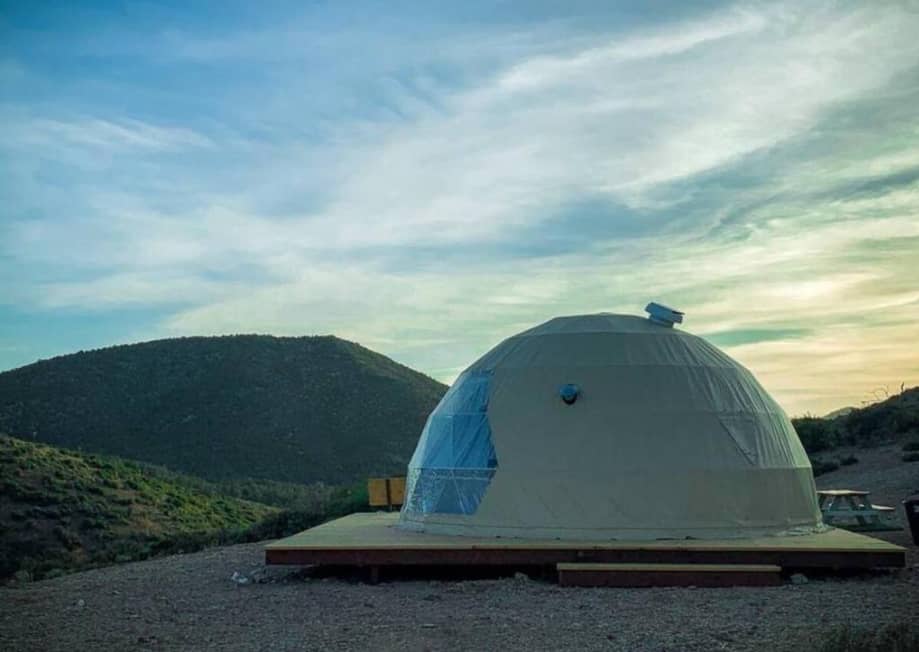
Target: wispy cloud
x,y
94,133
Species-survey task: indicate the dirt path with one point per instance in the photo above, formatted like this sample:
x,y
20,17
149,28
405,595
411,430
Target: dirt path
x,y
189,602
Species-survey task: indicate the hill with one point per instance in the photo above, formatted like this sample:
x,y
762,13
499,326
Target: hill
x,y
301,409
895,419
62,510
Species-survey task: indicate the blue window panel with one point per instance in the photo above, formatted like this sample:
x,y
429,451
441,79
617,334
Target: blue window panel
x,y
468,394
455,458
471,442
447,491
435,448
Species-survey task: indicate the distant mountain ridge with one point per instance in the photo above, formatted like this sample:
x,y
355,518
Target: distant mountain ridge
x,y
841,412
295,409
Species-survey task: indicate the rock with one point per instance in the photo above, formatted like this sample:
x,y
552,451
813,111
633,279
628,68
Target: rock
x,y
260,576
239,578
798,578
81,603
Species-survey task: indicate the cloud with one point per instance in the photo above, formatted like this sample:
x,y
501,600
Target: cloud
x,y
132,289
95,133
755,166
740,337
583,66
618,127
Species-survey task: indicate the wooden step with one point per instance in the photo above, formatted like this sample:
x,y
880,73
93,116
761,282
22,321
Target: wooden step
x,y
668,574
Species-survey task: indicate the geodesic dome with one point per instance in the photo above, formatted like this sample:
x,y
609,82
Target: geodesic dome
x,y
609,427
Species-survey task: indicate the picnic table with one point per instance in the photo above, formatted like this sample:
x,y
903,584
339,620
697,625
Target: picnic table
x,y
848,504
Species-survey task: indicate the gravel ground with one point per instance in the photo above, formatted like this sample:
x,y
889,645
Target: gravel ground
x,y
189,602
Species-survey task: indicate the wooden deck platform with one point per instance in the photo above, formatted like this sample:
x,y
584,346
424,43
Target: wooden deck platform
x,y
373,540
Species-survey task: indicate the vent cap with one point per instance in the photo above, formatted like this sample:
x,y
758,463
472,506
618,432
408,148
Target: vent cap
x,y
663,315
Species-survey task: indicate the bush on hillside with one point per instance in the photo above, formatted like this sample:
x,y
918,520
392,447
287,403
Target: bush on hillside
x,y
911,457
848,460
911,446
816,434
293,496
290,521
823,466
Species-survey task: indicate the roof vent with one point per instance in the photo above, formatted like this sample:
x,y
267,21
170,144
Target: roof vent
x,y
663,315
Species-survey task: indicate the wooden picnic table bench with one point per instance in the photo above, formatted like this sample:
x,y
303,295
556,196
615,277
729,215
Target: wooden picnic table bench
x,y
842,504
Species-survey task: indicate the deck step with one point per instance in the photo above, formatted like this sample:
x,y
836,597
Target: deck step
x,y
632,575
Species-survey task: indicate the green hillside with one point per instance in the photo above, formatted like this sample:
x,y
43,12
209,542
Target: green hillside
x,y
895,419
299,409
61,510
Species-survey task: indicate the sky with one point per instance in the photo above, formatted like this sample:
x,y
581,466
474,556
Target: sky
x,y
430,178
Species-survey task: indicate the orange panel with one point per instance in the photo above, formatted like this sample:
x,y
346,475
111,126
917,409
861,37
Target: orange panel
x,y
397,490
376,492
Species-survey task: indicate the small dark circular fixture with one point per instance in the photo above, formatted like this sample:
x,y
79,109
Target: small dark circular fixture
x,y
569,393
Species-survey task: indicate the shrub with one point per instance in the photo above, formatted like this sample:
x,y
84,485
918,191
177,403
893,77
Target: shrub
x,y
94,523
816,434
848,460
911,457
911,445
282,524
66,537
343,502
823,466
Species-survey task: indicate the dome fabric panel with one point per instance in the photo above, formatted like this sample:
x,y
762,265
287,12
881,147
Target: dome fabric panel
x,y
669,438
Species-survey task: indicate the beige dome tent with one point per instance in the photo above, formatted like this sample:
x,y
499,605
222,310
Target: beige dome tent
x,y
609,427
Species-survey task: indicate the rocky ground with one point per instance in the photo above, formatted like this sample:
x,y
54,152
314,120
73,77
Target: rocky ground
x,y
190,602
